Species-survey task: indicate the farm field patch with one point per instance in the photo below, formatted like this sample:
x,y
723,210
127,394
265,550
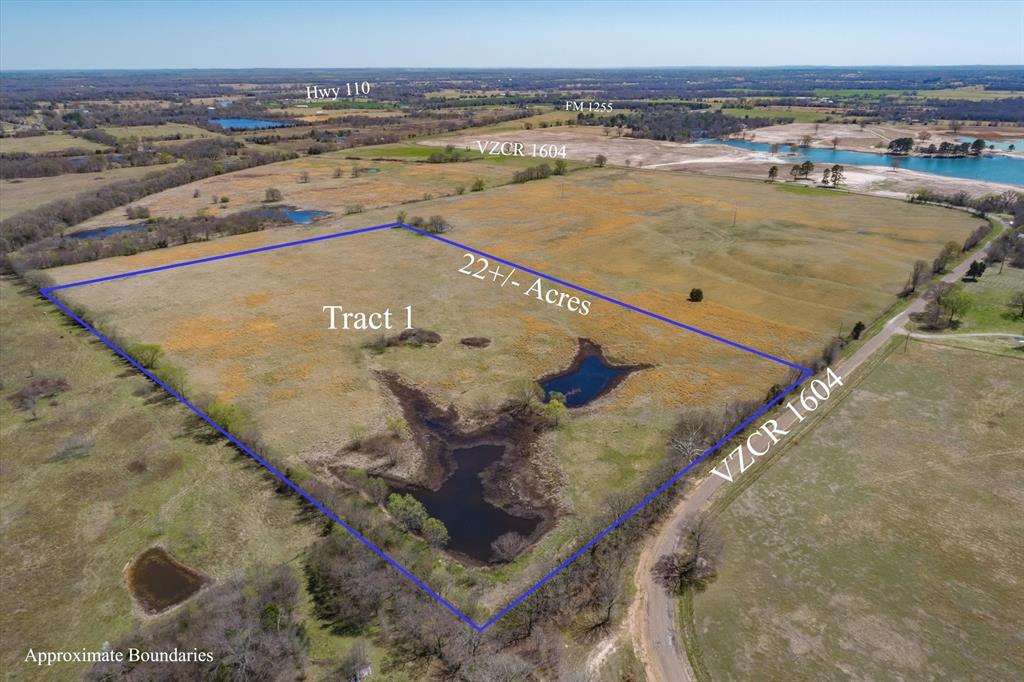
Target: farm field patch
x,y
24,194
105,470
43,144
159,131
379,184
865,545
251,331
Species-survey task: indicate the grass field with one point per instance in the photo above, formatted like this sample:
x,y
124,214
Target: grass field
x,y
975,93
159,131
799,116
28,193
886,543
101,474
252,331
990,310
388,184
43,144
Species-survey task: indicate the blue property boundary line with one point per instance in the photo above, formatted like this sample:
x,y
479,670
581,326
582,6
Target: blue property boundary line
x,y
480,627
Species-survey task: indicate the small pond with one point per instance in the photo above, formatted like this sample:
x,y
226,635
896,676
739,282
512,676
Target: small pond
x,y
158,581
105,231
297,216
248,123
589,377
473,523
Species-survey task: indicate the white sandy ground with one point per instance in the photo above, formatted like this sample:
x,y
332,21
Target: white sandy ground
x,y
584,143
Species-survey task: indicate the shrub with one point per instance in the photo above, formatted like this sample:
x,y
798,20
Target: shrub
x,y
146,354
696,295
272,194
398,427
409,511
478,185
435,533
172,377
229,417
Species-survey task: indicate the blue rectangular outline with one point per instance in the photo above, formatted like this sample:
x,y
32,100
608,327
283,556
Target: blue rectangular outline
x,y
479,627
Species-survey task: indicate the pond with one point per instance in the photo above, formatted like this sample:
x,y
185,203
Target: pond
x,y
295,215
105,231
987,167
248,123
473,523
589,376
158,581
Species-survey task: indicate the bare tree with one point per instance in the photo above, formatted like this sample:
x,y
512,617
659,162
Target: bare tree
x,y
508,546
918,276
1017,301
695,564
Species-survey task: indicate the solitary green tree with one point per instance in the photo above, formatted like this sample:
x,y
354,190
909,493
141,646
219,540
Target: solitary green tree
x,y
773,173
696,295
957,303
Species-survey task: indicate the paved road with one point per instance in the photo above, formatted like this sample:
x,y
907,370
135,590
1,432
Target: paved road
x,y
652,618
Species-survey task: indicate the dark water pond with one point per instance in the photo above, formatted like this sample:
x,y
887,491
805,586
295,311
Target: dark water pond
x,y
589,378
158,581
473,523
247,123
104,231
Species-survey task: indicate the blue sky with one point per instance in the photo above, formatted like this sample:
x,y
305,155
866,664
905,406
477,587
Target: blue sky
x,y
185,34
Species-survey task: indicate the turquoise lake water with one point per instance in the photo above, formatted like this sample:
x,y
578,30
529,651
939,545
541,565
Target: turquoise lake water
x,y
987,167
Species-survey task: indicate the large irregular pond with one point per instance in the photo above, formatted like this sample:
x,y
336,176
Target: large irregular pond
x,y
987,167
158,581
489,463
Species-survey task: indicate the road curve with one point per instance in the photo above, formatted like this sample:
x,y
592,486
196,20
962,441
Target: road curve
x,y
652,616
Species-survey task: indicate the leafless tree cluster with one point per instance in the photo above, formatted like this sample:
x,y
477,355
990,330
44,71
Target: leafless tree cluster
x,y
695,562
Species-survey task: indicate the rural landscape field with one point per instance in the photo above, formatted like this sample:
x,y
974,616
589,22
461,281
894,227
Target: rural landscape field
x,y
326,362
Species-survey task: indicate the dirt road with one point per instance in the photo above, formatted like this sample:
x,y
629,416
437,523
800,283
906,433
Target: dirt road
x,y
652,616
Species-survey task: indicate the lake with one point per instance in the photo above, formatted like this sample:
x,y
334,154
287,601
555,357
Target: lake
x,y
248,123
473,523
988,167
